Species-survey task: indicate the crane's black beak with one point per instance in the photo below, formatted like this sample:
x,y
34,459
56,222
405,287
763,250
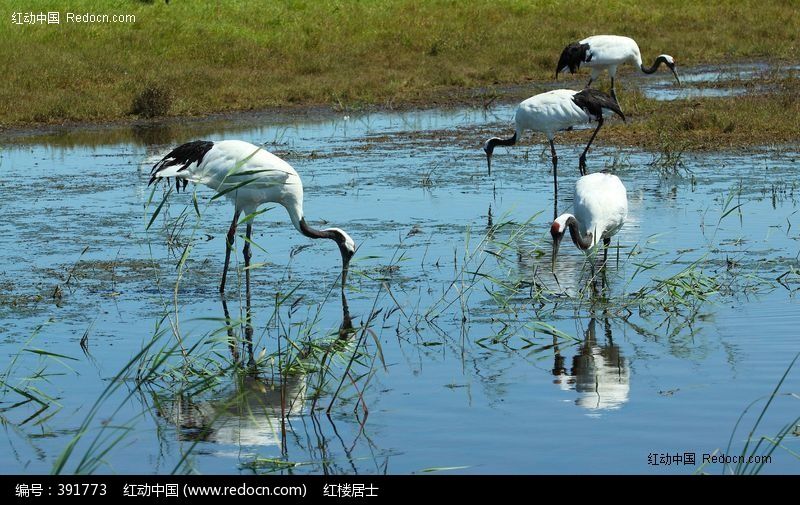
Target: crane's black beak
x,y
675,73
556,245
488,159
346,257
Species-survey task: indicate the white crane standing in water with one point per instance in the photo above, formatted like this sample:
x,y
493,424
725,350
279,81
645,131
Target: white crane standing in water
x,y
600,206
607,52
556,110
249,176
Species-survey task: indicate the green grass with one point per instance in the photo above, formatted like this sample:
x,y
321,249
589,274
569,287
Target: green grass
x,y
754,119
236,55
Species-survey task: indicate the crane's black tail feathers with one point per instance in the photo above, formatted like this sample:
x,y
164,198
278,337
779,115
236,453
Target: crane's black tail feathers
x,y
593,101
572,56
183,155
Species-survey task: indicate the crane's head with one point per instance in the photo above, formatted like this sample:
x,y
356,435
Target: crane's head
x,y
557,231
669,61
347,248
489,145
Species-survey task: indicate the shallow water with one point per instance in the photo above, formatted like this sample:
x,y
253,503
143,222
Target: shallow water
x,y
472,378
697,81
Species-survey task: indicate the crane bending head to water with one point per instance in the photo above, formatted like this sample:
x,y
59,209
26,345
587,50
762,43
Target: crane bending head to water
x,y
600,206
249,176
607,52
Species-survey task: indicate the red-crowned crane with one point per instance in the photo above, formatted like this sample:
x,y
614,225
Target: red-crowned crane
x,y
556,110
249,176
600,206
607,52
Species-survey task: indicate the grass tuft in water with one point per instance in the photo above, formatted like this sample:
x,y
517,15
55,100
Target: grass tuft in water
x,y
155,100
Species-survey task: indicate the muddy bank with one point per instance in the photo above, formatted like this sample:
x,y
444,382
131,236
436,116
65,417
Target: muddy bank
x,y
651,102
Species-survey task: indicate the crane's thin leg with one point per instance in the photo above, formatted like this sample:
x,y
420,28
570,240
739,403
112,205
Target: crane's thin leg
x,y
613,91
589,84
582,162
247,255
248,328
555,179
606,245
229,328
228,246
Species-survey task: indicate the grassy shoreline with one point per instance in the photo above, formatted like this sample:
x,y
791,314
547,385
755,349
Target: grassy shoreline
x,y
755,119
341,54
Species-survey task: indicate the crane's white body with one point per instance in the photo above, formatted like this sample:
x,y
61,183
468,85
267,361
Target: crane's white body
x,y
549,113
600,206
607,52
231,162
270,179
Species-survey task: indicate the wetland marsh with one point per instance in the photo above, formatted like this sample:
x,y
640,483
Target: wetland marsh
x,y
467,355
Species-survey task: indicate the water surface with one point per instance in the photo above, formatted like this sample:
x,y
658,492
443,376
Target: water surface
x,y
457,262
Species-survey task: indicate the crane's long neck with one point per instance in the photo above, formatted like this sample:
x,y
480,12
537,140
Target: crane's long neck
x,y
345,243
583,242
657,63
495,141
295,210
310,232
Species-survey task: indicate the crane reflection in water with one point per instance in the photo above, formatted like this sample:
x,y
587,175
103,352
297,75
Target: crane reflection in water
x,y
599,372
255,409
